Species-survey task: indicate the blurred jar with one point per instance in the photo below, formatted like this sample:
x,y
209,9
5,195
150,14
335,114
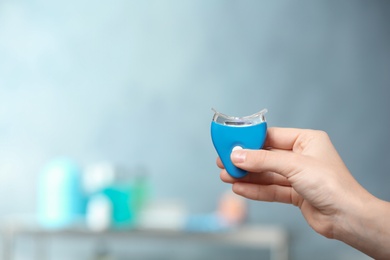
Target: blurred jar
x,y
61,201
120,196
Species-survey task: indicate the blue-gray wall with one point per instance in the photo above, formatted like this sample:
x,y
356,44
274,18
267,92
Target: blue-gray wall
x,y
134,82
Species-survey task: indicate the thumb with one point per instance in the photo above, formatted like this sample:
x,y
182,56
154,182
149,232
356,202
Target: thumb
x,y
278,161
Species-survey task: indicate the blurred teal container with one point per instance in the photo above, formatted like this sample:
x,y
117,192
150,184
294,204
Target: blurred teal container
x,y
61,201
121,197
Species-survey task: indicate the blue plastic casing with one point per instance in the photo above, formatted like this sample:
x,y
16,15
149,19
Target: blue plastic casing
x,y
225,137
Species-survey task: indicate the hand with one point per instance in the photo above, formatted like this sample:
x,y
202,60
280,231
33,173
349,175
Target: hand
x,y
302,167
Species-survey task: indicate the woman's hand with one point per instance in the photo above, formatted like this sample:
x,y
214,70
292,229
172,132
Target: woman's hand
x,y
302,167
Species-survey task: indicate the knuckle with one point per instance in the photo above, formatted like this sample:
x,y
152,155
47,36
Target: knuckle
x,y
307,137
322,134
256,159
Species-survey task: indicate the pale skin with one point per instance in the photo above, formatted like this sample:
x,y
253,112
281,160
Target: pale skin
x,y
301,167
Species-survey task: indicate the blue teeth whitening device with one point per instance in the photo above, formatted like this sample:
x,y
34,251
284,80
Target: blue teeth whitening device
x,y
230,133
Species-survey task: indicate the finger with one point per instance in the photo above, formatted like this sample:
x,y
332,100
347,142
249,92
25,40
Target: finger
x,y
264,178
225,177
269,193
282,138
219,163
279,138
277,161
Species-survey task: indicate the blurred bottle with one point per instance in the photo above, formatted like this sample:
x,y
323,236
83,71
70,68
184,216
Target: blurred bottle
x,y
232,209
141,191
116,195
96,178
99,213
120,196
61,201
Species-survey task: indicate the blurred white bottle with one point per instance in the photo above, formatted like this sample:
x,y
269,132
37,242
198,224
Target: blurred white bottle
x,y
99,212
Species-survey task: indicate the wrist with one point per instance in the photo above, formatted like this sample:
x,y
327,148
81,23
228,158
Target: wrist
x,y
364,225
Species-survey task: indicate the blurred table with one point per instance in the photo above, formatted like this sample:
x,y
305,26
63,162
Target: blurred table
x,y
273,238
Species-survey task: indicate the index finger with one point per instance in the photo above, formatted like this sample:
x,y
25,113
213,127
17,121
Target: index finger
x,y
282,138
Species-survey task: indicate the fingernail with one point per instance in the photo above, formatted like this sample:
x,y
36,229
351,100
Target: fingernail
x,y
238,156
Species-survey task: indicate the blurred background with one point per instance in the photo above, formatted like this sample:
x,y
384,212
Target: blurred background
x,y
127,87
